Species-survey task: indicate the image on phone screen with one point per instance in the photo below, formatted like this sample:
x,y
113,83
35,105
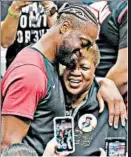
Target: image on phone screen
x,y
64,134
116,147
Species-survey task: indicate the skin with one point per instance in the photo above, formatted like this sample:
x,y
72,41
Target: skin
x,y
79,80
49,45
116,106
13,130
118,73
75,39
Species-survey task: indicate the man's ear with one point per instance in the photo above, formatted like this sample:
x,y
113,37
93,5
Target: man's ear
x,y
66,26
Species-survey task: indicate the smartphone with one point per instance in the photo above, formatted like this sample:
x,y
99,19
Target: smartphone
x,y
116,147
64,134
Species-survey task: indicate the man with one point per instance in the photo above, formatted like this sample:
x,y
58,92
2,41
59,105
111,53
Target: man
x,y
31,91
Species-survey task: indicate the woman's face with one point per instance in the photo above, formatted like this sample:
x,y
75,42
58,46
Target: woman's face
x,y
79,78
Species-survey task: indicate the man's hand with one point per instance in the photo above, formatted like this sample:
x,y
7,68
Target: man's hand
x,y
51,12
109,93
16,6
50,7
47,3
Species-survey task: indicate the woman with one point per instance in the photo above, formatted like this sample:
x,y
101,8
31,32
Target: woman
x,y
81,99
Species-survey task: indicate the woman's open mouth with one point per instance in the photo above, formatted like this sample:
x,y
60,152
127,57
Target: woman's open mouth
x,y
75,83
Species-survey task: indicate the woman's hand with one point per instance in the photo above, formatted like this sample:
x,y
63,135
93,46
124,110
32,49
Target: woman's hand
x,y
102,152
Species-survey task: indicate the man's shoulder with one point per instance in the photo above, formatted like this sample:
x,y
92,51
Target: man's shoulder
x,y
26,63
28,56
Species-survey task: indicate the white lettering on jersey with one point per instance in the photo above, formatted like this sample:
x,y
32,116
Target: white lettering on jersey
x,y
32,23
45,20
27,36
36,36
20,36
23,21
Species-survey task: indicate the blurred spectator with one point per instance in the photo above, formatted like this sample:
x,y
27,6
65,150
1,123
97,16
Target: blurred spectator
x,y
25,25
112,41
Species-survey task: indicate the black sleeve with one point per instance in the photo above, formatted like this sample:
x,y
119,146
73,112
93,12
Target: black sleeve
x,y
4,9
123,32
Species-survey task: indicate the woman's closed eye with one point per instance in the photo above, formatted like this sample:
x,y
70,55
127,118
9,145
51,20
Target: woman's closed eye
x,y
85,68
85,42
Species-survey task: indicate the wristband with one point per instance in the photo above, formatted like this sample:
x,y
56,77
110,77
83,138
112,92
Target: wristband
x,y
13,14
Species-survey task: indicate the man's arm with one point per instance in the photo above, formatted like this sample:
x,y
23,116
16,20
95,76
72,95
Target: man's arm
x,y
109,93
13,130
50,9
118,73
22,89
10,24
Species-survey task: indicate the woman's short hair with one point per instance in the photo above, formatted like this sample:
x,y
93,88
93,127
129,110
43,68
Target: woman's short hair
x,y
94,51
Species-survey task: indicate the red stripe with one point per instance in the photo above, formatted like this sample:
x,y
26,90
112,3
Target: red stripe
x,y
121,15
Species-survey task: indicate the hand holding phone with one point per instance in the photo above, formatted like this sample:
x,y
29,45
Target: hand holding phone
x,y
64,134
51,148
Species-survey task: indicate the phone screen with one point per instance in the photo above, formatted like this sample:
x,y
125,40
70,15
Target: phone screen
x,y
116,147
64,133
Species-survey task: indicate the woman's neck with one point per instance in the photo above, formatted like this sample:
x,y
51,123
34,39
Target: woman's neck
x,y
80,99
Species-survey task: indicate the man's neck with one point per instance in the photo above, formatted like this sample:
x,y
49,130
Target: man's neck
x,y
47,45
